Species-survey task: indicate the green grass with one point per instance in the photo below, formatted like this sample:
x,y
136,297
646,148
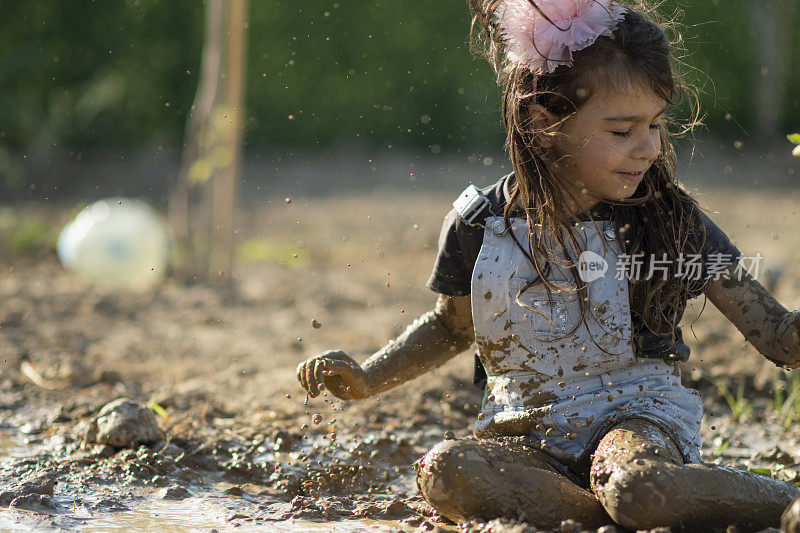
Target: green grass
x,y
264,251
786,397
25,235
740,406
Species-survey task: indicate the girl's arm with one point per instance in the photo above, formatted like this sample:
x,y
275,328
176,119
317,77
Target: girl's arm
x,y
764,322
427,343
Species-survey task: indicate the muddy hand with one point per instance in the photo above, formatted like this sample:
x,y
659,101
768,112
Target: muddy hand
x,y
336,371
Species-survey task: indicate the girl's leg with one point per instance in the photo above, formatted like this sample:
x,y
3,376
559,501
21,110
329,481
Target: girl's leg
x,y
639,476
482,479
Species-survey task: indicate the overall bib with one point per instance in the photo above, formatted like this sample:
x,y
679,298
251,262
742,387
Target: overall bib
x,y
565,388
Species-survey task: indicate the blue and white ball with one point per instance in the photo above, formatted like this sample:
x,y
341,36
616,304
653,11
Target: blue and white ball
x,y
116,241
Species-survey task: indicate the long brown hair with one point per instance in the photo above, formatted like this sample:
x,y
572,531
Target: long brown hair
x,y
661,217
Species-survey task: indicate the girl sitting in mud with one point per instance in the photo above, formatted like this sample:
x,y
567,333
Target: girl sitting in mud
x,y
572,274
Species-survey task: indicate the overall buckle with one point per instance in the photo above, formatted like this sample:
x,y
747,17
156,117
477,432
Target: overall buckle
x,y
470,204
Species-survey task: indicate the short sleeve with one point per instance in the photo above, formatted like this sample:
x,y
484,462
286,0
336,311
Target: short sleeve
x,y
451,274
718,253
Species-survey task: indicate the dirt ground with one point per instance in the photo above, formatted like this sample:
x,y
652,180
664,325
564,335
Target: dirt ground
x,y
239,447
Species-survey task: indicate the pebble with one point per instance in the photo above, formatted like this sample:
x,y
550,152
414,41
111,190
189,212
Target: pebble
x,y
123,424
173,493
41,484
38,503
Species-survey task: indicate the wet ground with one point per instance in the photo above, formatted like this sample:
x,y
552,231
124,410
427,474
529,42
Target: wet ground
x,y
236,446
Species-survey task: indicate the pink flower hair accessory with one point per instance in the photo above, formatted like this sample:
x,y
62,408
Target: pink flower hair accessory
x,y
542,36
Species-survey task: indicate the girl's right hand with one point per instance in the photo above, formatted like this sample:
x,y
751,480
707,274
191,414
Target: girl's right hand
x,y
336,371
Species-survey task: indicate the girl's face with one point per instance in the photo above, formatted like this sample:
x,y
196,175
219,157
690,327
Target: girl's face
x,y
609,143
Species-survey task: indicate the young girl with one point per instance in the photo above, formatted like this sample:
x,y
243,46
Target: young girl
x,y
572,274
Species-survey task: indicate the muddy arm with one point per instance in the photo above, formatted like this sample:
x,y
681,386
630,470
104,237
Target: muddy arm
x,y
429,342
765,323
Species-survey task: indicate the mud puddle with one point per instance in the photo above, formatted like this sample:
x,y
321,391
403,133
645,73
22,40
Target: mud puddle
x,y
211,511
12,445
282,480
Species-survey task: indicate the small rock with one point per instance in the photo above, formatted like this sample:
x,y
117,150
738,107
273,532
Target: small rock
x,y
777,455
384,510
109,505
160,481
38,503
123,424
41,484
235,491
173,493
283,441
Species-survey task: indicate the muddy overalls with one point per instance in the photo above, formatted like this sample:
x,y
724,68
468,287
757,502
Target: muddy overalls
x,y
564,389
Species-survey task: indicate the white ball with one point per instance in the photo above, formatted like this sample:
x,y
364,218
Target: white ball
x,y
116,241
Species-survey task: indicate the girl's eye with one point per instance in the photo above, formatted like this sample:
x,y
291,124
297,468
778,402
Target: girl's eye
x,y
628,132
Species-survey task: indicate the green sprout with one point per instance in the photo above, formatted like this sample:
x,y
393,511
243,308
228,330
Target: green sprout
x,y
157,409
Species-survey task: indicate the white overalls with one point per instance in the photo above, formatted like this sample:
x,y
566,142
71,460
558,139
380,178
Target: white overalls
x,y
564,389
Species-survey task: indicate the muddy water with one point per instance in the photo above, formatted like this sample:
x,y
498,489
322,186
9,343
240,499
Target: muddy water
x,y
11,445
314,484
213,511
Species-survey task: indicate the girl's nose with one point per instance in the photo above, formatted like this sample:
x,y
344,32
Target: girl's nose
x,y
648,147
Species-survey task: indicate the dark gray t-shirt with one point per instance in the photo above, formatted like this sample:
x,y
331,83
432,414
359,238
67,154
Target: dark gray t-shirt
x,y
459,244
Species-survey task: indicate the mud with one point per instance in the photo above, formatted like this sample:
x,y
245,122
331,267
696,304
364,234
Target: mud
x,y
238,443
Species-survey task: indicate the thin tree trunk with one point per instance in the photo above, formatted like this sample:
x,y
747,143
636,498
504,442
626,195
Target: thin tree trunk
x,y
202,204
186,257
225,185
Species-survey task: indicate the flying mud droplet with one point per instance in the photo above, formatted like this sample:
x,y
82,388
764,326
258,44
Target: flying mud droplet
x,y
316,418
315,323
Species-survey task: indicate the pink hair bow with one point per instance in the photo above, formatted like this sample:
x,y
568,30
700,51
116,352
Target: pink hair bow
x,y
541,45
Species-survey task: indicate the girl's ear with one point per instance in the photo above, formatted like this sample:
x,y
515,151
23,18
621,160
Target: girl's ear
x,y
542,122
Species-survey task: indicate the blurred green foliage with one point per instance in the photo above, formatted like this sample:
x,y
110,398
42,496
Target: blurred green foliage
x,y
29,235
83,75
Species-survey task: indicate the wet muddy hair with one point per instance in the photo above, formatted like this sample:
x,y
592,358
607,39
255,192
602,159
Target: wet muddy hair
x,y
661,217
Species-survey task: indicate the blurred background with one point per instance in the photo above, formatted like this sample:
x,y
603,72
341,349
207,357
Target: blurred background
x,y
338,95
